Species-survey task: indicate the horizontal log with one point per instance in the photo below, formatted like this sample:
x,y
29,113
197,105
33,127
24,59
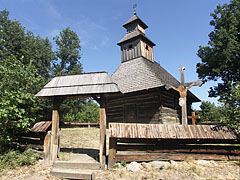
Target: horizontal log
x,y
181,141
133,97
115,110
111,114
181,148
81,124
40,135
31,140
171,156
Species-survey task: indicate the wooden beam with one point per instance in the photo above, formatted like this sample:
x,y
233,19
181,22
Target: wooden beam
x,y
102,150
112,152
55,130
172,156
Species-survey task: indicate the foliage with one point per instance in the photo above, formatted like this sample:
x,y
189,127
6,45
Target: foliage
x,y
33,53
89,112
123,163
15,40
209,111
231,110
67,62
18,105
67,54
221,58
13,159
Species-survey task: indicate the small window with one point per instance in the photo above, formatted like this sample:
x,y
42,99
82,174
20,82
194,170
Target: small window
x,y
130,47
146,47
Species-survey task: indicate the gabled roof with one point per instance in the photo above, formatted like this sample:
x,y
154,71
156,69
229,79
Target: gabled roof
x,y
141,74
135,35
135,18
81,84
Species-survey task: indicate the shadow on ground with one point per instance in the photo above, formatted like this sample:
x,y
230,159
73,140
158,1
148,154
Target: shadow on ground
x,y
90,152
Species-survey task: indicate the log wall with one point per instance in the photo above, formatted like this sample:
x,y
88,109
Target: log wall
x,y
158,106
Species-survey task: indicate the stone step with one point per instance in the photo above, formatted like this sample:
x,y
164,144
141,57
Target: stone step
x,y
74,173
76,165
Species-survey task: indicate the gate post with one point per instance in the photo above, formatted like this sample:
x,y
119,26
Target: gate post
x,y
102,151
55,130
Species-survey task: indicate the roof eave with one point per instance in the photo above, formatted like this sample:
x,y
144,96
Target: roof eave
x,y
144,38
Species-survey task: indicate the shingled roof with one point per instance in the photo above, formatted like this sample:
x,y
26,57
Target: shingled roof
x,y
141,74
81,84
133,19
135,35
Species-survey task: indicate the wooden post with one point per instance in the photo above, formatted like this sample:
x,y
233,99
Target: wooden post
x,y
102,151
55,131
193,117
46,148
112,152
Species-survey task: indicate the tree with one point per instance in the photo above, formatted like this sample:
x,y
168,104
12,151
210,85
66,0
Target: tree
x,y
89,112
231,111
209,111
67,62
23,44
221,58
18,105
67,54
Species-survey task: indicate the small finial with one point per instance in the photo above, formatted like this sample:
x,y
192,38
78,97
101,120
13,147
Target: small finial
x,y
134,8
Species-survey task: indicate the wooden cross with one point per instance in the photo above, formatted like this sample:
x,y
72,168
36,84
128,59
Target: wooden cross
x,y
182,89
193,117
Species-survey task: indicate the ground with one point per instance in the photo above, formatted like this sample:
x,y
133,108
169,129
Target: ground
x,y
86,140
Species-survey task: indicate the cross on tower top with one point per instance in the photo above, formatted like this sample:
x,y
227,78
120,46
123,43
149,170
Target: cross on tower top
x,y
134,8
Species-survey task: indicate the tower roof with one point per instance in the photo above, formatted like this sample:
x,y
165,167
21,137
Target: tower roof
x,y
135,19
135,35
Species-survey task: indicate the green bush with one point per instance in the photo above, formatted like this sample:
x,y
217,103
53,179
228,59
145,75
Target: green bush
x,y
14,158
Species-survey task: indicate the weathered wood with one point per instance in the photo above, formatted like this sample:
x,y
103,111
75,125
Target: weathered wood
x,y
73,124
55,130
125,130
102,151
46,149
172,156
112,152
222,149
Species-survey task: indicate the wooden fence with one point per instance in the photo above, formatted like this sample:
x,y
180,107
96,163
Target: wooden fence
x,y
146,142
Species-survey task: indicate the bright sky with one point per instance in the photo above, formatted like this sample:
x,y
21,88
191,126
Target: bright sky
x,y
177,27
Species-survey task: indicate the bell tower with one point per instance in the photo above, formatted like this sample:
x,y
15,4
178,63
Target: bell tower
x,y
135,43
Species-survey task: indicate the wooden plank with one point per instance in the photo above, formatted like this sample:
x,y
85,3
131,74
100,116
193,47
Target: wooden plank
x,y
162,147
112,152
169,156
164,131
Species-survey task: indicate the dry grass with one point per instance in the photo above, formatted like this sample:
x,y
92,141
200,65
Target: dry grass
x,y
80,138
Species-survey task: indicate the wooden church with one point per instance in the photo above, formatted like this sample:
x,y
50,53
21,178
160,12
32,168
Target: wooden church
x,y
142,82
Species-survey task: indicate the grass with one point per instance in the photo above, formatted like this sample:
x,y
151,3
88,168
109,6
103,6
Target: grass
x,y
80,138
14,158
